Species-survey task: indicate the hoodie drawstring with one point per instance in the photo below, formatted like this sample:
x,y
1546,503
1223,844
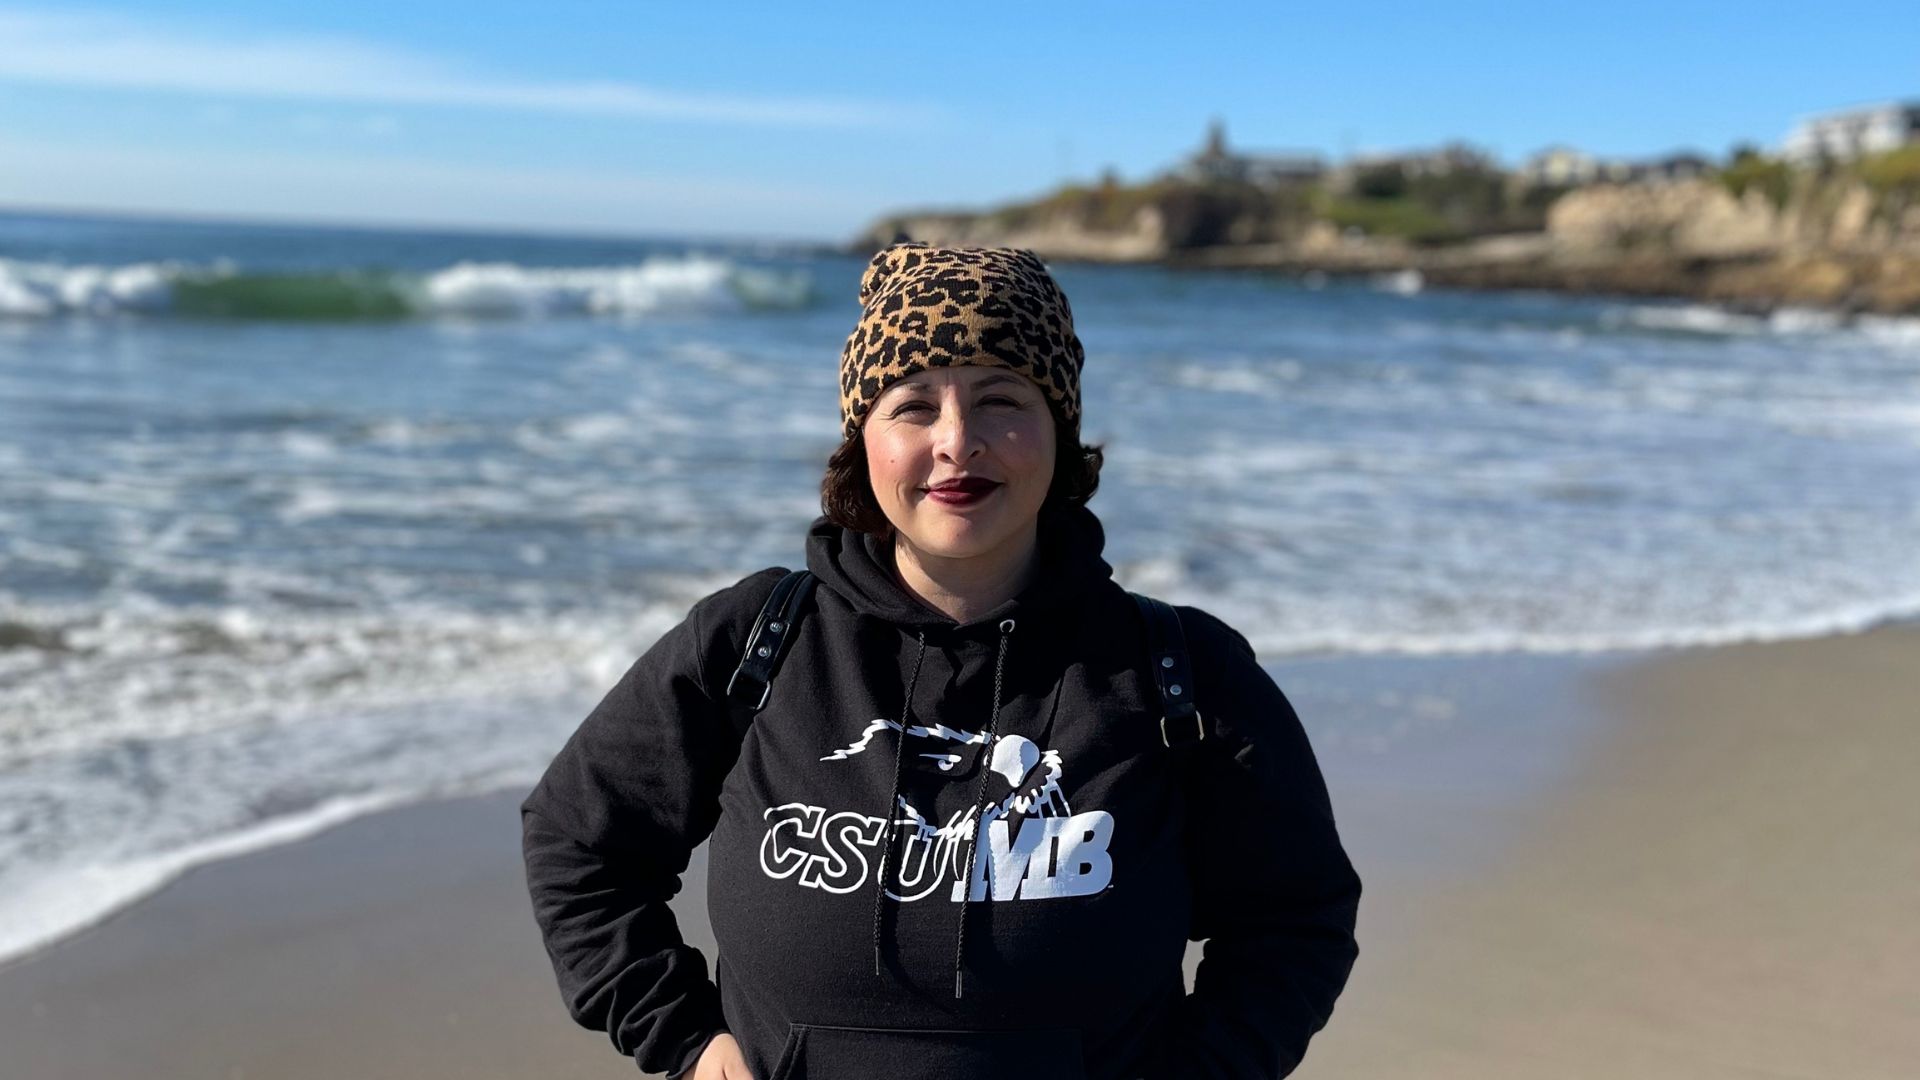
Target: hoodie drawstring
x,y
893,800
979,795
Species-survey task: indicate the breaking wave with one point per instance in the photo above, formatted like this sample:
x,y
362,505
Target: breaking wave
x,y
693,283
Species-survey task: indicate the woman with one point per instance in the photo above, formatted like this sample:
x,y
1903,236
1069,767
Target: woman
x,y
953,841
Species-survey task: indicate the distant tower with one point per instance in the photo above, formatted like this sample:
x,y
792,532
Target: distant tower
x,y
1216,139
1211,161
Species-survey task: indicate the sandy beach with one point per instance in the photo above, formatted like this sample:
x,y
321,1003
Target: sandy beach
x,y
1695,863
1726,888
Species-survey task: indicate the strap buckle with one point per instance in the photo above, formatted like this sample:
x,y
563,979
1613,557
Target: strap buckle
x,y
765,689
1199,730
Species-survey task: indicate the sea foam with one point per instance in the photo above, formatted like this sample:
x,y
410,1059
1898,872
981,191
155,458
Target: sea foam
x,y
691,283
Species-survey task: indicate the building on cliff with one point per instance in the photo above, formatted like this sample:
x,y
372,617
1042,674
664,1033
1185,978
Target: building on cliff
x,y
1454,157
1673,168
1450,160
1853,133
1214,162
1563,166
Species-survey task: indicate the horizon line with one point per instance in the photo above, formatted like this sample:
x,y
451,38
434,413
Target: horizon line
x,y
388,225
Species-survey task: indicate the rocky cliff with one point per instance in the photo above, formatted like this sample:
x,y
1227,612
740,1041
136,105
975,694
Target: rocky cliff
x,y
1837,243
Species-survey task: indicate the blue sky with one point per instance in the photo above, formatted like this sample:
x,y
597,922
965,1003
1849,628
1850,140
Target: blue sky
x,y
807,120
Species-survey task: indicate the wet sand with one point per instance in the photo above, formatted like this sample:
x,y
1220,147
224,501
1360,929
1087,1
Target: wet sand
x,y
1700,863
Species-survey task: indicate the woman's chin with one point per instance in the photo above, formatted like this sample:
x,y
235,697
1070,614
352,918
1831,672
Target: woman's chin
x,y
949,535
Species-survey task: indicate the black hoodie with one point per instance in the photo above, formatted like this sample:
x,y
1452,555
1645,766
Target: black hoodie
x,y
890,730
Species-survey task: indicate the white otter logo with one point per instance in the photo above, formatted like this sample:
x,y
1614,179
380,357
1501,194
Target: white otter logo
x,y
1037,847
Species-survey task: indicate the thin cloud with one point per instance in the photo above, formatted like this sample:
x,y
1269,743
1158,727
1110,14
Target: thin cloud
x,y
111,51
333,187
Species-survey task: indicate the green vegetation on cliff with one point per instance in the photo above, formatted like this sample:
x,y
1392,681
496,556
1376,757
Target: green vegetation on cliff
x,y
1751,170
1755,229
1399,217
1186,214
1896,172
1434,207
1105,207
1385,201
1894,179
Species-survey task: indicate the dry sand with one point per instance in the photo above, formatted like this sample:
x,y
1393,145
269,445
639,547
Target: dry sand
x,y
1722,882
1728,886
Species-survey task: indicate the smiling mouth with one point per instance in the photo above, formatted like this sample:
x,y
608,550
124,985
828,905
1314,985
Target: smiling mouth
x,y
963,494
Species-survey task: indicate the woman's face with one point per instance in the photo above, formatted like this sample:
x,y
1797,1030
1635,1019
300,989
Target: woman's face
x,y
967,421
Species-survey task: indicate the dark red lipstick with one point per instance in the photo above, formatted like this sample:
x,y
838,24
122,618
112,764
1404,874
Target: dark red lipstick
x,y
962,491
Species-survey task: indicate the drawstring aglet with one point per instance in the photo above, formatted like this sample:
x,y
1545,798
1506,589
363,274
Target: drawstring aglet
x,y
956,983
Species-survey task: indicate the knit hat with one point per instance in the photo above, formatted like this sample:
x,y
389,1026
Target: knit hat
x,y
926,307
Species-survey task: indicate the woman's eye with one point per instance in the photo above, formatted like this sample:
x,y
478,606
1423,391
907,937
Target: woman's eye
x,y
916,406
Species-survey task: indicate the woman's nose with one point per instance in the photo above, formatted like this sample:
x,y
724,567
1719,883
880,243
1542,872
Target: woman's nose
x,y
954,435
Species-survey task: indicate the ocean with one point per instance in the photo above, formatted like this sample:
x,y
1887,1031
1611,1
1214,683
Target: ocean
x,y
296,523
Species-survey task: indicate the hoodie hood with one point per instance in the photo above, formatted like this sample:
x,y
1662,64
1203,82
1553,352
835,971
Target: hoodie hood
x,y
859,567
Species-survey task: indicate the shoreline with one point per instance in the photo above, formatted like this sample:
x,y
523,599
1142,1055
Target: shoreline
x,y
1882,284
1849,284
408,929
154,873
107,891
1752,287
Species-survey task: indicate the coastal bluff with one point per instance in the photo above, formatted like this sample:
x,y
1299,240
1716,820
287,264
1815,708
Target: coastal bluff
x,y
1836,243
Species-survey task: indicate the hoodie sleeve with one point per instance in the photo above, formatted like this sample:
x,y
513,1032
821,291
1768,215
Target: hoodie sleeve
x,y
609,828
1274,894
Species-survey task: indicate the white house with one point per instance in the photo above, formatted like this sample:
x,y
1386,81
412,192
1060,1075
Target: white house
x,y
1853,133
1561,166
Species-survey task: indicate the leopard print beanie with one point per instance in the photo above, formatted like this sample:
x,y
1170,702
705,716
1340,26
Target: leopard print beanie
x,y
925,307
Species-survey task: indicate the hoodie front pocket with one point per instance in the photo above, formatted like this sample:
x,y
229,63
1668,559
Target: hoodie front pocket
x,y
822,1052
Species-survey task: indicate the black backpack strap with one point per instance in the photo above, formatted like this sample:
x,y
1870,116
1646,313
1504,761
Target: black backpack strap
x,y
767,641
1182,725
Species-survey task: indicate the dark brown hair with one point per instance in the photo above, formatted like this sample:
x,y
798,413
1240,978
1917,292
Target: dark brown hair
x,y
846,493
